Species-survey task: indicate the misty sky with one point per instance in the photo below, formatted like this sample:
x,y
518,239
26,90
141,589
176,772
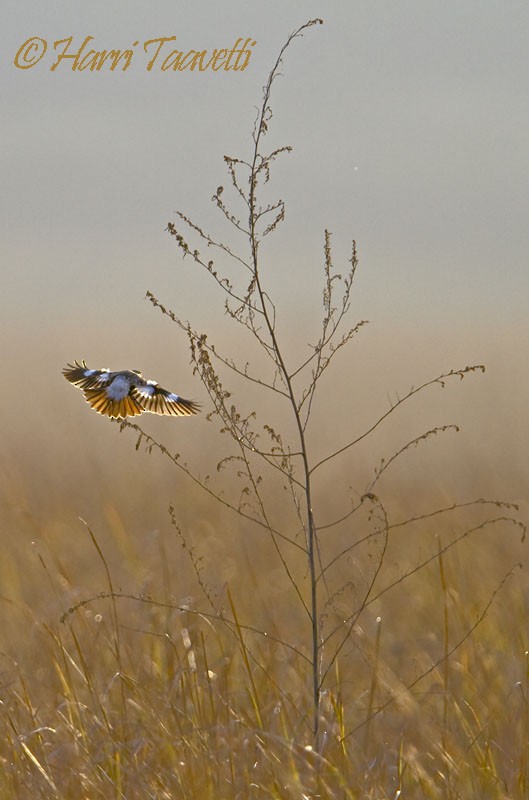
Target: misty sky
x,y
409,123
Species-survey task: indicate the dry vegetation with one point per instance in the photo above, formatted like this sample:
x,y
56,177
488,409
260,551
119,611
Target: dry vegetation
x,y
144,692
239,646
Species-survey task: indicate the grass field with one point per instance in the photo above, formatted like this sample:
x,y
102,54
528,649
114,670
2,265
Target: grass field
x,y
121,677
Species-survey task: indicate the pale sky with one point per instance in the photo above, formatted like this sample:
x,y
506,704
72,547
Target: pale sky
x,y
409,123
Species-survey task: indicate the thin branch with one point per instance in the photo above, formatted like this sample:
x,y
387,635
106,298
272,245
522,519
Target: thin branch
x,y
152,443
216,617
419,517
440,379
353,619
224,283
379,471
423,564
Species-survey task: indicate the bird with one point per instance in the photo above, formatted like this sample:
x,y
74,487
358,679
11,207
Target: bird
x,y
126,393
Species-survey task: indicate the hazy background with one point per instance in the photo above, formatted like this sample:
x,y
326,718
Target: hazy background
x,y
409,123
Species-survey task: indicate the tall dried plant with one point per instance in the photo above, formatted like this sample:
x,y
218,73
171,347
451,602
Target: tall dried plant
x,y
262,451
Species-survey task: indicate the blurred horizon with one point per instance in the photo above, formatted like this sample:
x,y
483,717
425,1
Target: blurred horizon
x,y
408,132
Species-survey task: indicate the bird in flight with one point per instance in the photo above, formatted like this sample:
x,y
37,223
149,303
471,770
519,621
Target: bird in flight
x,y
125,394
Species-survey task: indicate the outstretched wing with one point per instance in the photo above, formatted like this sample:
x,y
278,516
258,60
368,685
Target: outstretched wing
x,y
100,401
125,394
79,374
153,398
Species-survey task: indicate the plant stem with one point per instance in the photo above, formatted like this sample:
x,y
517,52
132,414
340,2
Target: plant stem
x,y
311,528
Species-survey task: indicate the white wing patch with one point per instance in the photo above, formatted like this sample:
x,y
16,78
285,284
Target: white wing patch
x,y
146,391
101,376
